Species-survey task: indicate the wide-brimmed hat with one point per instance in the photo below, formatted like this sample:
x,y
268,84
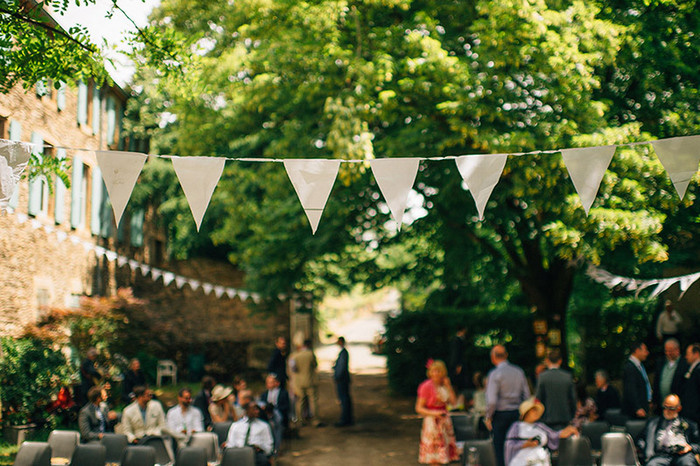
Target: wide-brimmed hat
x,y
220,392
531,403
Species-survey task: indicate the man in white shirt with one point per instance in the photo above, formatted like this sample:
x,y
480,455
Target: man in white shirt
x,y
184,419
144,417
669,323
252,432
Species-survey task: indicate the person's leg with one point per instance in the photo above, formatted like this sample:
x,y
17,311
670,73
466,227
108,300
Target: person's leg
x,y
685,460
345,404
502,420
660,460
313,402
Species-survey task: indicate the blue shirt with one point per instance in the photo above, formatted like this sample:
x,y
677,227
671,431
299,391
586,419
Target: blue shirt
x,y
506,388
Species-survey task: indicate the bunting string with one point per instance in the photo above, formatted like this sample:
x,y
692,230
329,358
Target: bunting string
x,y
637,285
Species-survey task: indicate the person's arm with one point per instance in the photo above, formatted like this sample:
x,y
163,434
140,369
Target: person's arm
x,y
128,427
424,411
198,421
491,396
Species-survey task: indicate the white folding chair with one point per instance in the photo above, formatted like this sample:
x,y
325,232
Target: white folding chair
x,y
166,368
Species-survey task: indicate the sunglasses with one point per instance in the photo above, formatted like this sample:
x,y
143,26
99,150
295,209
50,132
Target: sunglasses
x,y
671,408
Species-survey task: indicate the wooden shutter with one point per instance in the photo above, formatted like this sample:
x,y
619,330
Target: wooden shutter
x,y
61,97
106,215
82,103
111,120
137,228
60,209
76,188
36,185
96,108
96,205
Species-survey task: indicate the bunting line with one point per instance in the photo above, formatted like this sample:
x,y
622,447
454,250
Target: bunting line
x,y
610,280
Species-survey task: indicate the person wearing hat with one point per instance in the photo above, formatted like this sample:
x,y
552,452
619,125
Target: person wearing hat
x,y
528,441
220,409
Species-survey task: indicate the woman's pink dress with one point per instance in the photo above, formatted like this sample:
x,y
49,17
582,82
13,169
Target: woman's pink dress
x,y
437,437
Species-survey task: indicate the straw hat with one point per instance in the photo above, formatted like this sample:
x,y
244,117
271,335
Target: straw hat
x,y
531,403
220,392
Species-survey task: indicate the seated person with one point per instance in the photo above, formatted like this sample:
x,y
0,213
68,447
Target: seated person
x,y
607,396
526,439
252,432
184,419
669,440
94,420
276,398
221,409
144,417
244,397
586,410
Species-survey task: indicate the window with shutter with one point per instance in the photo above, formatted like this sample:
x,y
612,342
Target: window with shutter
x,y
60,209
36,185
82,103
61,97
106,214
96,104
96,202
77,216
137,228
111,119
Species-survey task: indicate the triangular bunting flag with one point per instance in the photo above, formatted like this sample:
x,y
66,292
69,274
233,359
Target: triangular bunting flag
x,y
481,173
198,177
586,168
180,281
168,278
120,170
156,274
231,292
219,291
194,284
395,178
121,261
111,256
207,287
14,157
680,158
313,181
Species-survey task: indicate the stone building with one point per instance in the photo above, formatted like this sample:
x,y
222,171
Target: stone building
x,y
59,244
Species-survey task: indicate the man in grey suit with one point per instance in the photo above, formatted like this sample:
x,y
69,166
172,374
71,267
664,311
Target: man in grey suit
x,y
555,389
93,420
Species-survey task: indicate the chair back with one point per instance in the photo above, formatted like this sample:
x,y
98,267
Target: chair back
x,y
221,430
166,368
33,454
618,450
163,454
191,456
209,441
615,417
244,456
63,443
487,455
463,425
139,456
89,454
594,432
115,445
575,451
634,427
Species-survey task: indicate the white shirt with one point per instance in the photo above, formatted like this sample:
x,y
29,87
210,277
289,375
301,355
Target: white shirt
x,y
273,395
260,435
191,420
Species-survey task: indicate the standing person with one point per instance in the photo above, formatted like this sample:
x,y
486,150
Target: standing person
x,y
669,440
555,389
690,393
203,398
304,366
341,375
669,373
276,401
457,368
89,374
636,394
183,418
607,396
668,324
278,361
437,438
133,377
506,388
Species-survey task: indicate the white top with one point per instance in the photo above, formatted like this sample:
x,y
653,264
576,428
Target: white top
x,y
190,421
260,435
668,324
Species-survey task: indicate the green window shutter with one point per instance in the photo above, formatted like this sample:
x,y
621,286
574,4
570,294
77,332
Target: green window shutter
x,y
106,215
95,216
76,188
96,103
15,135
60,209
61,97
82,103
137,228
36,185
111,119
121,231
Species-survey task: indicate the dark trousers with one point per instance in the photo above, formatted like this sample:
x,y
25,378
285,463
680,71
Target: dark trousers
x,y
673,460
501,422
343,389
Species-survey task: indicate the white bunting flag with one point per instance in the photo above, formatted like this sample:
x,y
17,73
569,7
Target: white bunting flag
x,y
156,274
313,181
61,236
207,287
231,292
122,261
14,157
219,291
168,278
395,178
243,295
198,177
680,158
180,281
111,256
481,173
661,287
120,170
586,167
133,265
194,284
100,251
686,282
145,269
36,224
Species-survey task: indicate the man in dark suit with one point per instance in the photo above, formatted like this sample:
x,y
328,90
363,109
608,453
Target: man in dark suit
x,y
93,420
669,440
636,395
607,396
203,398
278,361
133,377
690,393
276,398
457,367
669,373
341,375
555,389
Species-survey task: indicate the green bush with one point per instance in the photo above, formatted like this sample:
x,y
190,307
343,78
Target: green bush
x,y
414,337
31,373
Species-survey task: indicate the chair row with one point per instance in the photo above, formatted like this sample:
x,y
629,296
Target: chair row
x,y
95,454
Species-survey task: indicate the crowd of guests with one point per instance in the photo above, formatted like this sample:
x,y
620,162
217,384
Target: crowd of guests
x,y
290,394
525,420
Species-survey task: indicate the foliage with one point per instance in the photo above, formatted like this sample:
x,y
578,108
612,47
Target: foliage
x,y
414,337
40,166
31,373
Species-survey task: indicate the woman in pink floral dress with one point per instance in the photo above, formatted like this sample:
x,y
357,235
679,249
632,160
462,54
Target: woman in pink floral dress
x,y
437,438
